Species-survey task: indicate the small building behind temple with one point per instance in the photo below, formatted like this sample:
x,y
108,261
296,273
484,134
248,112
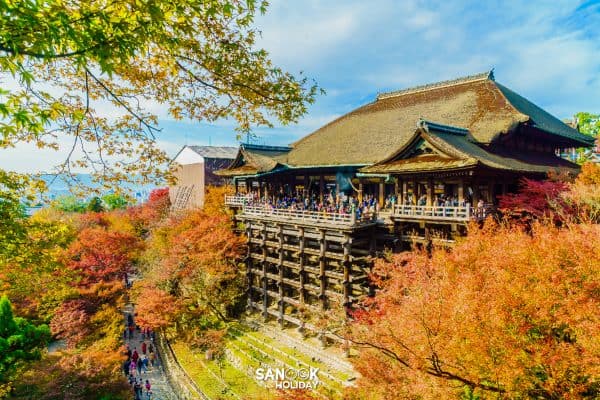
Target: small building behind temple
x,y
413,166
193,169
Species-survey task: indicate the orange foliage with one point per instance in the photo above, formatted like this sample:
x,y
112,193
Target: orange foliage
x,y
590,174
195,257
505,312
556,199
214,199
102,255
155,308
71,321
145,216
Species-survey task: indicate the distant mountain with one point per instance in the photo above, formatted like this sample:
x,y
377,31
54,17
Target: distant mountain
x,y
59,186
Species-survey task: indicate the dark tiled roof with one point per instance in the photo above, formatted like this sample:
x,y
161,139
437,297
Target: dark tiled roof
x,y
215,151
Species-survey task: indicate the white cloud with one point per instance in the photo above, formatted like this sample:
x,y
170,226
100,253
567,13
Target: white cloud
x,y
546,50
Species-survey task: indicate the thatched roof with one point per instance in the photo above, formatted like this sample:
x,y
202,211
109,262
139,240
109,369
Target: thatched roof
x,y
373,131
379,130
453,148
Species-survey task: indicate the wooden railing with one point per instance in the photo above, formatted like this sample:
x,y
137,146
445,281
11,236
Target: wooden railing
x,y
236,201
303,215
460,213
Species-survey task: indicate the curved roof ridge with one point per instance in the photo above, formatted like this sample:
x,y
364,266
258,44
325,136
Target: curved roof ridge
x,y
436,85
264,147
453,129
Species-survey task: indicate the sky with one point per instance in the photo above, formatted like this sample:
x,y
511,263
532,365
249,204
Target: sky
x,y
547,51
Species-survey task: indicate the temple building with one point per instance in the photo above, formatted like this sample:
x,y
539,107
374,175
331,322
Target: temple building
x,y
193,169
413,166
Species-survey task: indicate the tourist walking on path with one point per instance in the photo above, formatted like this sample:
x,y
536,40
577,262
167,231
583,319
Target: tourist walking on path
x,y
140,354
148,388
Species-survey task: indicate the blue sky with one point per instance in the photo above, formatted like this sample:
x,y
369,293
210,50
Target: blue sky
x,y
548,51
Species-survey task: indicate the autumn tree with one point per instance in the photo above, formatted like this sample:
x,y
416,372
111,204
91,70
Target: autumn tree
x,y
558,199
145,216
505,314
101,255
156,308
535,200
197,59
194,259
583,195
30,272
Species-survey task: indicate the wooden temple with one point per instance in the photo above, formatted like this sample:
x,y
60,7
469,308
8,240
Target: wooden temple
x,y
415,165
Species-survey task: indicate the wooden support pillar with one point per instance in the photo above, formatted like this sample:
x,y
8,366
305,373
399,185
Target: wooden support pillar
x,y
346,266
235,184
430,192
372,248
306,184
491,194
476,193
360,192
461,190
264,272
397,190
416,191
321,188
404,191
281,303
322,277
381,199
301,260
249,277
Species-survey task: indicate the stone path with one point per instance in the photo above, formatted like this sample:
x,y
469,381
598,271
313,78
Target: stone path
x,y
161,389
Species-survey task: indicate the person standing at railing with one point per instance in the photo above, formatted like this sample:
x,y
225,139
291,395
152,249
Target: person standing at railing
x,y
447,205
480,209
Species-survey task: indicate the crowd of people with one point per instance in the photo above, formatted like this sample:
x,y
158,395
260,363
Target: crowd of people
x,y
332,203
139,362
340,203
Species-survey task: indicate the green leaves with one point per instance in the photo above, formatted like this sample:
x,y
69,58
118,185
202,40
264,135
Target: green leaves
x,y
19,340
588,123
198,58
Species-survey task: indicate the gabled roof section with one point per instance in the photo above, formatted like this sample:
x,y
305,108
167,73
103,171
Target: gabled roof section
x,y
196,154
446,147
253,159
226,152
376,130
543,120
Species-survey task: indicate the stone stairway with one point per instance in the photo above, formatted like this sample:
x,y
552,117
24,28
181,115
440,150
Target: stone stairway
x,y
306,346
161,389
